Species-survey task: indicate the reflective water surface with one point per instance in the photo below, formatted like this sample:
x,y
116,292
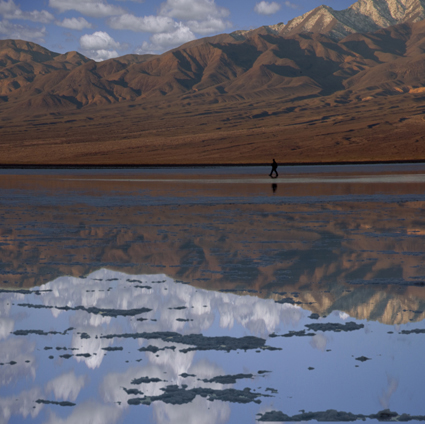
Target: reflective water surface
x,y
212,295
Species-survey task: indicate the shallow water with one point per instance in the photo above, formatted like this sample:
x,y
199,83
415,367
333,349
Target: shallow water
x,y
212,295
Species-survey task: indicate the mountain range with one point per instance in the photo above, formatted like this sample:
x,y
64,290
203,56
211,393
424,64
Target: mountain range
x,y
372,50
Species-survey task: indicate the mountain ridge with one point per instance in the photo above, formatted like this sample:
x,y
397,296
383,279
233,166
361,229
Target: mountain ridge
x,y
250,63
361,17
292,65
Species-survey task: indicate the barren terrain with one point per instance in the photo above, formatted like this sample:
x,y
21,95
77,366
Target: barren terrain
x,y
299,99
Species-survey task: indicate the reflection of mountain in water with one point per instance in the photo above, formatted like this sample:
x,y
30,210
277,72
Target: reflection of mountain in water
x,y
318,240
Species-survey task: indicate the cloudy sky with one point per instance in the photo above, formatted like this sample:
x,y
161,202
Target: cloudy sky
x,y
102,29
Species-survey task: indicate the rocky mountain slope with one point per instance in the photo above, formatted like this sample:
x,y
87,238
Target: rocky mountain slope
x,y
387,61
361,17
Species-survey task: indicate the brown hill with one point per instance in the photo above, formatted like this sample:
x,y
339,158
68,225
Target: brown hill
x,y
210,91
303,64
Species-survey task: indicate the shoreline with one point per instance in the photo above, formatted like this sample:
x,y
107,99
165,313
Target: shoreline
x,y
206,165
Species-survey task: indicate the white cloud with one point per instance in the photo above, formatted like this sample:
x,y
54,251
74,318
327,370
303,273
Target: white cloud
x,y
93,8
266,8
102,54
208,26
154,24
98,40
21,32
193,9
75,23
100,46
291,5
10,10
166,41
7,7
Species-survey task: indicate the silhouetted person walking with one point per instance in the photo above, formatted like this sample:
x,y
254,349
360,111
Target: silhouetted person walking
x,y
274,169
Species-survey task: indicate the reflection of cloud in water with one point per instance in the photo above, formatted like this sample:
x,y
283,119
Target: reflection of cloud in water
x,y
66,386
6,327
24,406
170,372
89,412
92,345
168,301
319,341
198,411
384,400
6,323
344,316
260,316
19,351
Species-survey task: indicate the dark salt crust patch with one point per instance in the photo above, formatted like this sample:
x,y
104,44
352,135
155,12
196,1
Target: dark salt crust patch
x,y
41,332
348,326
227,379
300,333
175,395
155,349
199,341
331,415
92,310
132,391
23,291
52,402
414,331
362,359
145,380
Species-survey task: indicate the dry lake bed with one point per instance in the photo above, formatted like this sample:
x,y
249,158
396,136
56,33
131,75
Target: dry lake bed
x,y
212,295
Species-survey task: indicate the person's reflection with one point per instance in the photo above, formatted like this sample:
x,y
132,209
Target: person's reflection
x,y
274,188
